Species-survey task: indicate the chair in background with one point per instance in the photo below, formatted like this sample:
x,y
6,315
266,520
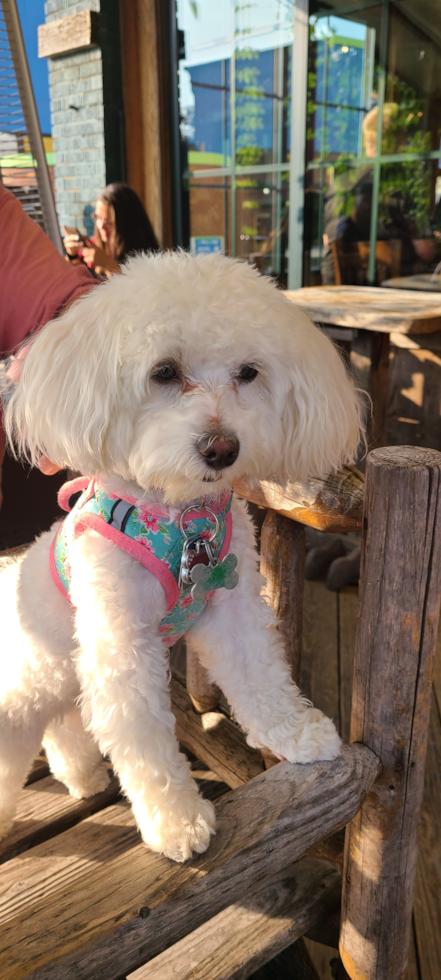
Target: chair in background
x,y
351,261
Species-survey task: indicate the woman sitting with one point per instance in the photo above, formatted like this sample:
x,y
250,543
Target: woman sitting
x,y
122,227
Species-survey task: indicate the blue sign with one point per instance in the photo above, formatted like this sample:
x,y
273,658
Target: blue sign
x,y
205,244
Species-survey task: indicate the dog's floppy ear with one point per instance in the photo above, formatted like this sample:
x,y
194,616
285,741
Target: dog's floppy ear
x,y
67,389
322,417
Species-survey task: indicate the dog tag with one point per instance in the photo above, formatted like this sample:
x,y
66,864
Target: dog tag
x,y
216,575
193,551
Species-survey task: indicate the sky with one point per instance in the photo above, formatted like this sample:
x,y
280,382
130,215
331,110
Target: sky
x,y
31,15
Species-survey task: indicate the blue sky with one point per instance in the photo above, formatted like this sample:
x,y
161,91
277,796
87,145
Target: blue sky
x,y
31,15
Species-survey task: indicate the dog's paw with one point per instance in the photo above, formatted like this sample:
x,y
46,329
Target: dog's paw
x,y
179,835
312,737
82,788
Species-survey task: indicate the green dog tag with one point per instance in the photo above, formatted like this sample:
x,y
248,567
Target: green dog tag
x,y
216,575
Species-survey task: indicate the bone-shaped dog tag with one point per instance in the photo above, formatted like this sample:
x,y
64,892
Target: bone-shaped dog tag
x,y
216,575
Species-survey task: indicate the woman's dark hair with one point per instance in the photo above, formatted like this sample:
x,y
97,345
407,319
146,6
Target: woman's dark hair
x,y
133,231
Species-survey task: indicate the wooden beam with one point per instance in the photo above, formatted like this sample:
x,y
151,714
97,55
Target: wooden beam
x,y
214,739
204,695
122,915
294,961
147,79
332,504
400,588
282,547
148,98
164,67
427,897
244,936
132,97
68,34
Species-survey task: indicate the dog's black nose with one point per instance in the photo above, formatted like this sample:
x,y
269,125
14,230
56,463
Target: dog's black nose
x,y
219,451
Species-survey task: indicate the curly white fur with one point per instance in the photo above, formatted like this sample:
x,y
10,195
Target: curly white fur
x,y
89,398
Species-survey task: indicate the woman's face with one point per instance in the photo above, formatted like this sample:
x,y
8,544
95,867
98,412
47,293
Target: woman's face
x,y
104,219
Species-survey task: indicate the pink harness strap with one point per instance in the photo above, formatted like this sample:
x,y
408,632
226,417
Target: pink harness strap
x,y
72,486
83,521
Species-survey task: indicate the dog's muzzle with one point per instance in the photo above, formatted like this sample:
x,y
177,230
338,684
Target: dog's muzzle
x,y
218,450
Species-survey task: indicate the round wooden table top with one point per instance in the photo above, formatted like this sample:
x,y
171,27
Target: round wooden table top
x,y
423,281
371,308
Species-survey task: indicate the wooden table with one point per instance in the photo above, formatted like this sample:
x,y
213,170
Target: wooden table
x,y
424,281
380,312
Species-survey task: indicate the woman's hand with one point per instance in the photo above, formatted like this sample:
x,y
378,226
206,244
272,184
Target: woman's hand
x,y
96,256
71,242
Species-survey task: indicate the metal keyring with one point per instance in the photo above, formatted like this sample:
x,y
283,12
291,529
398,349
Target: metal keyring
x,y
189,510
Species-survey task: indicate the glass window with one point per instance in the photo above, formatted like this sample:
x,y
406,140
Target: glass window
x,y
372,202
413,85
374,101
209,213
234,92
262,221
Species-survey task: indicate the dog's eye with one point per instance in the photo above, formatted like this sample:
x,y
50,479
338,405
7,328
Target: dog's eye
x,y
247,373
166,373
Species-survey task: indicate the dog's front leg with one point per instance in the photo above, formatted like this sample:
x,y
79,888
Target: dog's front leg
x,y
237,642
123,670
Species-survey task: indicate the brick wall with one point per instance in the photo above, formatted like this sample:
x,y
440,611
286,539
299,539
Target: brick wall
x,y
88,139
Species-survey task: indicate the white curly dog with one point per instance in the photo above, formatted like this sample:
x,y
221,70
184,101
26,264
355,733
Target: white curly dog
x,y
166,384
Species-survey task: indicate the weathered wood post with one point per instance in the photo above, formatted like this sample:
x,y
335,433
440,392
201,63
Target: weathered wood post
x,y
400,589
204,695
282,549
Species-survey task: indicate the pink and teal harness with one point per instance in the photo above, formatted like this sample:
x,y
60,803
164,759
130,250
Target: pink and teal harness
x,y
146,533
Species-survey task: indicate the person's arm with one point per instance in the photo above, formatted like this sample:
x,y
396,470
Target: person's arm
x,y
36,281
93,255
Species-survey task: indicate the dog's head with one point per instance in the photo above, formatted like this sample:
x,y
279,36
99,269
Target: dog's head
x,y
186,373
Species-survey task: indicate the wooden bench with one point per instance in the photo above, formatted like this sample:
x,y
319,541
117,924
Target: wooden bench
x,y
81,897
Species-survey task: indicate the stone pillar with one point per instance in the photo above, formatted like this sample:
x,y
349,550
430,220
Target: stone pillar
x,y
86,108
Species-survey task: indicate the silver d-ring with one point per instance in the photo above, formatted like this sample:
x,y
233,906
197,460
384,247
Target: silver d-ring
x,y
189,510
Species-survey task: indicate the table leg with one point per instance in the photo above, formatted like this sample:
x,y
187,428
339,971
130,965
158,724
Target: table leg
x,y
378,387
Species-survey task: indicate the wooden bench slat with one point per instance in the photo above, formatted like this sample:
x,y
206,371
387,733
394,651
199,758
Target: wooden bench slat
x,y
96,840
215,740
46,809
56,863
40,769
332,504
244,936
114,918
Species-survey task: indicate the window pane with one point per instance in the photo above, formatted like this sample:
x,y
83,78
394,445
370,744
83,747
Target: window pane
x,y
337,222
409,214
262,222
338,203
412,114
209,213
204,82
341,84
263,44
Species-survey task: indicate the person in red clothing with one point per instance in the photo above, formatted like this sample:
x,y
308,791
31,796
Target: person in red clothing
x,y
36,283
